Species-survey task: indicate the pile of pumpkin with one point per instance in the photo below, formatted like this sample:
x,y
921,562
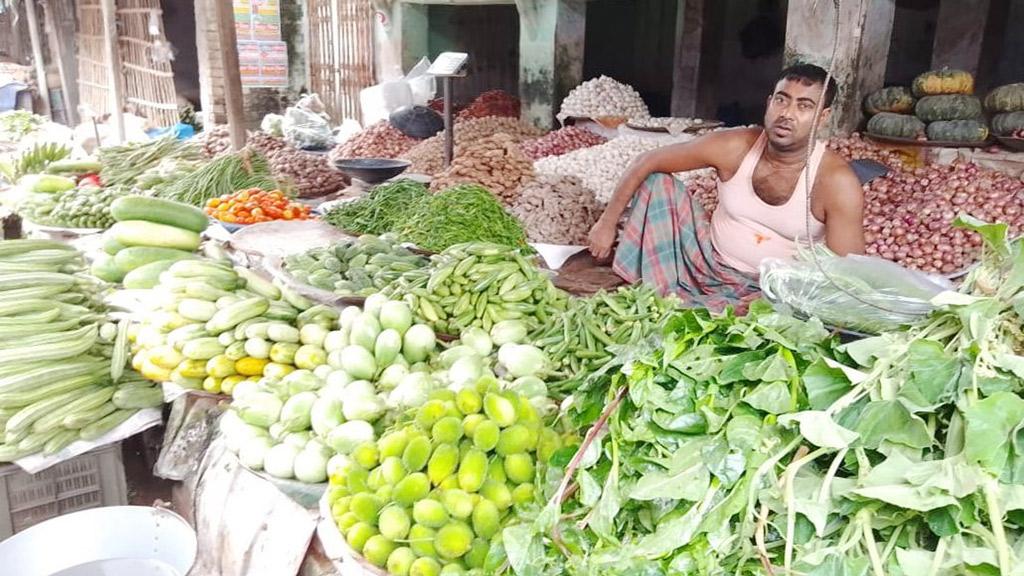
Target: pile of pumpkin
x,y
940,105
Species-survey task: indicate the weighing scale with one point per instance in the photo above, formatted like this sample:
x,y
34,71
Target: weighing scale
x,y
446,66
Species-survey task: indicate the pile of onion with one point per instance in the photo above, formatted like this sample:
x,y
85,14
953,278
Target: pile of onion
x,y
908,215
856,147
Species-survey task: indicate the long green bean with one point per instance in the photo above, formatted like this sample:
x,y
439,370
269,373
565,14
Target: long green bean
x,y
379,211
123,164
583,338
465,213
223,175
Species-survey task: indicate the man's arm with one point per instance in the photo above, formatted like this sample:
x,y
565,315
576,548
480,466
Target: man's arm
x,y
844,213
706,151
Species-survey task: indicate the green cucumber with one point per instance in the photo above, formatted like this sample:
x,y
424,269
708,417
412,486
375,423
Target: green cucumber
x,y
73,167
146,276
111,245
160,211
132,257
46,183
105,268
143,233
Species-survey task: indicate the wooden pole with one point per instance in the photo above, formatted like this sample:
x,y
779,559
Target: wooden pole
x,y
56,51
37,55
113,61
232,73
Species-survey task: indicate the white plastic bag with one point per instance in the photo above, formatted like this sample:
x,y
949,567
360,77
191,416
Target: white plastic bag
x,y
423,85
306,126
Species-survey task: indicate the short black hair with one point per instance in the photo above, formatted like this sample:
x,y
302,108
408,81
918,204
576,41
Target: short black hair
x,y
809,74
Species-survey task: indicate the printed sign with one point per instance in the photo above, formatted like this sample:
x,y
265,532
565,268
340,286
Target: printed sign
x,y
262,56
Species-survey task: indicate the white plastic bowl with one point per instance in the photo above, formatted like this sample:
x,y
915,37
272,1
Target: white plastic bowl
x,y
109,541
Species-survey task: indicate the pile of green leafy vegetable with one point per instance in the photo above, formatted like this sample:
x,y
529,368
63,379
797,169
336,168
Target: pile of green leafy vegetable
x,y
758,445
380,210
16,124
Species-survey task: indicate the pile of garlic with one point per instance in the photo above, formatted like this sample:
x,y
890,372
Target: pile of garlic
x,y
599,167
601,97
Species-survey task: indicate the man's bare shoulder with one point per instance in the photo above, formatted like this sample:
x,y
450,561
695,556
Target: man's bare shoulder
x,y
724,149
732,137
837,181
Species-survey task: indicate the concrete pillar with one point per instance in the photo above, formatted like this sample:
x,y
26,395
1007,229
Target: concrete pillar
x,y
959,33
686,63
697,51
551,34
211,69
865,29
415,34
387,39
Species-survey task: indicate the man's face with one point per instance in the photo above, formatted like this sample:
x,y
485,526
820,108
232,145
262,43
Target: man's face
x,y
790,112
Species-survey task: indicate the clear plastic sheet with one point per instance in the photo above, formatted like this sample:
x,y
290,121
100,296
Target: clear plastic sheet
x,y
858,293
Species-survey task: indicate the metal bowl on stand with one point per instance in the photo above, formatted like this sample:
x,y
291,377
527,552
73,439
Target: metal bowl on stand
x,y
372,170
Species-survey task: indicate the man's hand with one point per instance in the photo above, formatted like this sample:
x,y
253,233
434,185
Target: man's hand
x,y
602,237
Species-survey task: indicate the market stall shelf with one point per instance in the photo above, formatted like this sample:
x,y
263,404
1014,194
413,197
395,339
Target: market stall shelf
x,y
1016,144
610,122
929,143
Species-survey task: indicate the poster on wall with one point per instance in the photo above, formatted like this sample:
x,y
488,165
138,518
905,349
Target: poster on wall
x,y
266,20
263,64
262,56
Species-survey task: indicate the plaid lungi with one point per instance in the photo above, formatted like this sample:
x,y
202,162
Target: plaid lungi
x,y
666,243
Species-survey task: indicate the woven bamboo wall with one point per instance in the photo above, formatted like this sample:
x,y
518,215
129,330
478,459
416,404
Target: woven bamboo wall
x,y
340,53
148,79
93,81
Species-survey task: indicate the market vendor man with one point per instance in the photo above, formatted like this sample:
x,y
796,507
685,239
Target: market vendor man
x,y
672,243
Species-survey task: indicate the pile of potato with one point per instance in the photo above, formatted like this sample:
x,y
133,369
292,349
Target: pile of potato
x,y
311,174
214,141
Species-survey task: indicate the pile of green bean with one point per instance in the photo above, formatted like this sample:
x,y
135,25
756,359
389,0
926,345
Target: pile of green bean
x,y
582,339
380,210
123,164
223,175
479,284
464,213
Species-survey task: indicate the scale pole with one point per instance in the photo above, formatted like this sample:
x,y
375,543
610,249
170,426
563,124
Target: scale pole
x,y
449,137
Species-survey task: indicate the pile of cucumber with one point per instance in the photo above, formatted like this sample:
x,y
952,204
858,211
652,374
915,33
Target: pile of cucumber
x,y
62,365
149,235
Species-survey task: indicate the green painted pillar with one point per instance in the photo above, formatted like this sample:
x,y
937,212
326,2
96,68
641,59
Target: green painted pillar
x,y
415,33
551,34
